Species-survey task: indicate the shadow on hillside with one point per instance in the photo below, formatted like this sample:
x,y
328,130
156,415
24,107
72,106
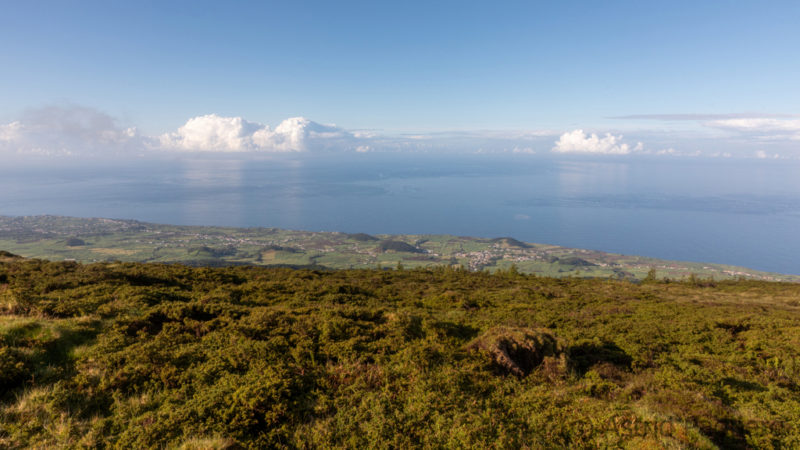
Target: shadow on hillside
x,y
585,355
43,352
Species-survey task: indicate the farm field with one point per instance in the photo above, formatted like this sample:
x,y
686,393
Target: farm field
x,y
95,240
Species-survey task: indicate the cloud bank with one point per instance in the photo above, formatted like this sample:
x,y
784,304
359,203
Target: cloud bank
x,y
699,117
57,130
779,128
81,131
78,131
73,131
234,134
577,141
744,127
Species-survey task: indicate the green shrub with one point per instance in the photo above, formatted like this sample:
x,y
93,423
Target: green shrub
x,y
139,355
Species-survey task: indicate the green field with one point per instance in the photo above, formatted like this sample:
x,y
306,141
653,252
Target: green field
x,y
94,240
131,355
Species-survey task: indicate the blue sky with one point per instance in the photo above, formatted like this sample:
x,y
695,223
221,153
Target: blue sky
x,y
390,67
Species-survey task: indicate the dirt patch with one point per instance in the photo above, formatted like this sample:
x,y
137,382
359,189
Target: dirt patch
x,y
268,255
8,256
521,350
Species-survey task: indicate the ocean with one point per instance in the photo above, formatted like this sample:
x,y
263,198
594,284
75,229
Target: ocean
x,y
716,210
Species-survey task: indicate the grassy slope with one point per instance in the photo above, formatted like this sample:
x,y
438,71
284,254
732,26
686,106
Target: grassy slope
x,y
142,355
48,237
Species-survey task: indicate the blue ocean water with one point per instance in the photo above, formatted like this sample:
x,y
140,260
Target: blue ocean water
x,y
732,212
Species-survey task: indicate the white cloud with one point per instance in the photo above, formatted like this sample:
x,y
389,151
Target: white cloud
x,y
365,134
756,124
669,151
761,128
761,154
234,134
302,134
67,130
212,133
577,141
10,132
81,131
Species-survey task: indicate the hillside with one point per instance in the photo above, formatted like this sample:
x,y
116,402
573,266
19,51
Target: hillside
x,y
91,240
148,355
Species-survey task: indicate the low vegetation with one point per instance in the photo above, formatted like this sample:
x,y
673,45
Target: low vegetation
x,y
148,355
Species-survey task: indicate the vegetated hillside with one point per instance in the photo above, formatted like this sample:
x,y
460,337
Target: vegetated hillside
x,y
147,355
93,240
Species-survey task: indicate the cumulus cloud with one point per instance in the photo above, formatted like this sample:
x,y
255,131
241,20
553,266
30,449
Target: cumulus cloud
x,y
234,134
577,141
212,133
66,130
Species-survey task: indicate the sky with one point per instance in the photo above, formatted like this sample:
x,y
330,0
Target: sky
x,y
678,78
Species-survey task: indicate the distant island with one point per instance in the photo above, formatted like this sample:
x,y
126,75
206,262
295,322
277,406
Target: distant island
x,y
59,238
